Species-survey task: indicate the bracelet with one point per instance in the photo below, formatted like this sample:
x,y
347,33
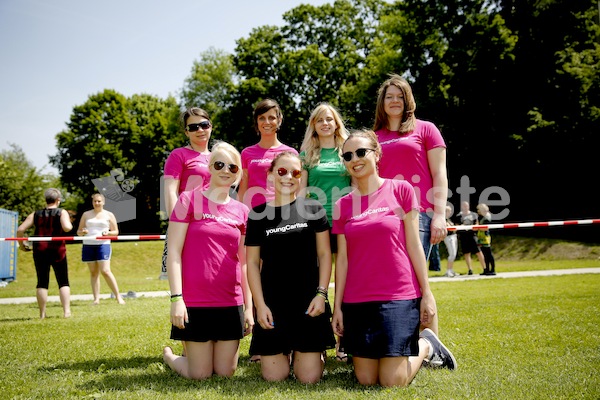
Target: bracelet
x,y
176,298
322,295
176,295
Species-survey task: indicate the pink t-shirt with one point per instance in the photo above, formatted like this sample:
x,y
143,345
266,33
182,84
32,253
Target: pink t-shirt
x,y
379,267
405,157
211,270
257,160
189,167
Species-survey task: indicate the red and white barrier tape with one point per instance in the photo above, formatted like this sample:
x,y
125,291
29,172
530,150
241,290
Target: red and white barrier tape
x,y
451,228
523,225
73,238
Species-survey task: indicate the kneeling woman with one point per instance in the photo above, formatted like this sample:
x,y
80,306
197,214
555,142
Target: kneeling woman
x,y
382,292
291,236
211,305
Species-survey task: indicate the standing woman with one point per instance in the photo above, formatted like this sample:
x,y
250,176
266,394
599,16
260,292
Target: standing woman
x,y
186,167
382,290
323,172
413,150
211,305
96,253
256,159
291,236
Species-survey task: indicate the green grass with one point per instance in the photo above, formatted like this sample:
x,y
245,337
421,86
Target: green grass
x,y
522,338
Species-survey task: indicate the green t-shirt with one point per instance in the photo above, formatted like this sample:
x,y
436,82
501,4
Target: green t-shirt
x,y
331,177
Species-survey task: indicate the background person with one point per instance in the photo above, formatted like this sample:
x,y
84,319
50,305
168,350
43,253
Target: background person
x,y
96,253
211,304
291,236
52,221
382,296
451,242
484,239
468,238
187,167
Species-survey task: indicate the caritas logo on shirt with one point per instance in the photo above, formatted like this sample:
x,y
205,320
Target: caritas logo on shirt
x,y
371,211
282,229
261,161
220,219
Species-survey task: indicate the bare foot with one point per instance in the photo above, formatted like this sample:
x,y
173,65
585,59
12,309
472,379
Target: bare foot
x,y
42,314
167,353
96,302
120,300
67,314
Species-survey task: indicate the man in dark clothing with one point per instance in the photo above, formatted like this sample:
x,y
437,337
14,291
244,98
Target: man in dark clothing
x,y
51,221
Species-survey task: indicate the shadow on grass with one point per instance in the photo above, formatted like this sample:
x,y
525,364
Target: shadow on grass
x,y
151,373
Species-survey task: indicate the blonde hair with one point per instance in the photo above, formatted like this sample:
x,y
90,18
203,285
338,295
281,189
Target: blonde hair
x,y
311,144
221,147
408,116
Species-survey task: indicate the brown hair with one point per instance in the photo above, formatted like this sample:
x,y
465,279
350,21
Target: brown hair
x,y
262,107
408,116
197,111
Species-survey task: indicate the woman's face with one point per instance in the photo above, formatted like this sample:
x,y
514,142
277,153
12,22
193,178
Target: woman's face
x,y
202,135
360,167
97,202
325,125
393,102
286,175
268,123
224,170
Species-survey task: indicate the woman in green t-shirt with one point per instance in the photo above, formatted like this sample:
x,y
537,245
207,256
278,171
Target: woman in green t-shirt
x,y
324,176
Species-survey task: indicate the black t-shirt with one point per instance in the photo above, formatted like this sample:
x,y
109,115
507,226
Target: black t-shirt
x,y
287,239
47,223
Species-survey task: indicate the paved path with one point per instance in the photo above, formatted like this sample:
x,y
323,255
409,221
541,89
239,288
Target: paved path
x,y
162,293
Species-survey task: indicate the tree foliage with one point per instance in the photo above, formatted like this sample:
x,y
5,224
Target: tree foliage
x,y
110,132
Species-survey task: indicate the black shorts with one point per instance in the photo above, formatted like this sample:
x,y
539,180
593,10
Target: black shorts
x,y
211,324
294,332
382,329
468,243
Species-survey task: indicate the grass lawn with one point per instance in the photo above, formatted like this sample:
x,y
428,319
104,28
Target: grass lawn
x,y
522,338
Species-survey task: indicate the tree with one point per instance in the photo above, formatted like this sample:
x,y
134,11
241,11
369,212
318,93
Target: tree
x,y
111,132
22,186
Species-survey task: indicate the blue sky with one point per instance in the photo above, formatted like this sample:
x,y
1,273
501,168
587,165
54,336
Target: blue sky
x,y
55,53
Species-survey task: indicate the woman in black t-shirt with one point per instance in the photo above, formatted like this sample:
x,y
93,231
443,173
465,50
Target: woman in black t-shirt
x,y
291,237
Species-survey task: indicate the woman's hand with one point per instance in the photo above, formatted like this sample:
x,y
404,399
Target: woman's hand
x,y
265,318
179,315
438,228
316,306
337,322
248,321
428,309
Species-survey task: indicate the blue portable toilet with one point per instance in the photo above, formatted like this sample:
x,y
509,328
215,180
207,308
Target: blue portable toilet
x,y
9,222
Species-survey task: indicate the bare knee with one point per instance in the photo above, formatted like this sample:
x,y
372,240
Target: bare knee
x,y
389,381
308,377
199,374
225,371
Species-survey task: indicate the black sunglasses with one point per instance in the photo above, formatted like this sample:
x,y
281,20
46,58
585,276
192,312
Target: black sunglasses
x,y
295,173
196,127
360,153
219,165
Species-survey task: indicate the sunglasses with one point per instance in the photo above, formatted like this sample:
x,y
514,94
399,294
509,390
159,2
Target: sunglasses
x,y
295,173
360,153
200,125
219,165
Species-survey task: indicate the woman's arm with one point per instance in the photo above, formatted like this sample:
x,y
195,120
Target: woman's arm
x,y
243,186
317,305
82,230
248,305
341,271
177,232
113,228
171,192
417,258
437,165
263,313
65,221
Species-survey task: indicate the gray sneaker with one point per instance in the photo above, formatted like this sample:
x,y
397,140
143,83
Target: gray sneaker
x,y
441,357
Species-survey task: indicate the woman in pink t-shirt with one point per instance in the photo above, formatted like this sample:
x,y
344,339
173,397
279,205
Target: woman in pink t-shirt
x,y
186,167
413,150
254,189
382,292
211,304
